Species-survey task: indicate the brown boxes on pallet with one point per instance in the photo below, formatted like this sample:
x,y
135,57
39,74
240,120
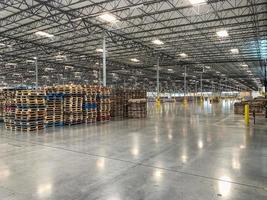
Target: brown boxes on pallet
x,y
137,108
257,105
120,101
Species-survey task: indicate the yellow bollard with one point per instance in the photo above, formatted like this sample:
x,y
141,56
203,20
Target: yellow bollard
x,y
185,100
158,102
247,115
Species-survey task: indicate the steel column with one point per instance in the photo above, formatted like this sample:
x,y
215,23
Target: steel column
x,y
158,77
36,74
185,88
104,61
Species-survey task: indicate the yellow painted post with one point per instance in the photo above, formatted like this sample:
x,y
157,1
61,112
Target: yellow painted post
x,y
247,115
158,101
185,100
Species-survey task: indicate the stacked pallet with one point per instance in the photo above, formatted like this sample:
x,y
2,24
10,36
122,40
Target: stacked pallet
x,y
103,104
117,103
54,101
132,94
1,106
90,104
73,104
9,108
30,110
120,100
137,108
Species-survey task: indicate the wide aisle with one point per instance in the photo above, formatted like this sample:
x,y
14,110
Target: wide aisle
x,y
188,152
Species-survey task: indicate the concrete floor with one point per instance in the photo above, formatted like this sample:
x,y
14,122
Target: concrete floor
x,y
194,152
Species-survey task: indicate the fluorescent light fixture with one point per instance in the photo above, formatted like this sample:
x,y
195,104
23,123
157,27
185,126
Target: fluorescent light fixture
x,y
207,67
76,19
2,44
195,2
43,34
11,64
68,67
234,51
99,50
134,60
244,65
222,33
108,17
157,42
183,55
170,70
60,57
30,61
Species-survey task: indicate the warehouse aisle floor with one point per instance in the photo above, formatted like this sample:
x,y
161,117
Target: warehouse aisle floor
x,y
193,152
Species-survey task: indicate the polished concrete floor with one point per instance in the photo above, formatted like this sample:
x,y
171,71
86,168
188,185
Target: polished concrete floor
x,y
193,152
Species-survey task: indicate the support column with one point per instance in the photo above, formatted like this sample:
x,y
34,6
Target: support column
x,y
265,86
158,77
185,88
201,86
104,61
196,91
158,96
246,115
36,74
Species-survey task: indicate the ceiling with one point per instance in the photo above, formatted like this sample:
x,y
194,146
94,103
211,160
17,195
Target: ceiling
x,y
188,33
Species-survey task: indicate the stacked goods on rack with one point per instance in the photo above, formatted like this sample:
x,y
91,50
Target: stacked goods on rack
x,y
73,104
257,105
1,106
117,102
103,104
137,108
9,108
54,102
89,104
30,110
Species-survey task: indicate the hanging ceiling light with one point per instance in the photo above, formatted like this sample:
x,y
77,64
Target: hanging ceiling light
x,y
108,18
134,60
157,42
183,55
234,51
222,33
43,34
195,2
99,50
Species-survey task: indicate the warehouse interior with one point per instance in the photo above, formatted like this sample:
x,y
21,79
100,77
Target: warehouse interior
x,y
133,99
